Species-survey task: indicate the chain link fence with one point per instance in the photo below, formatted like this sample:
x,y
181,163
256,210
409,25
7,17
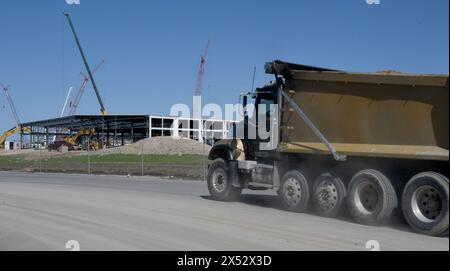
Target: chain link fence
x,y
94,163
129,159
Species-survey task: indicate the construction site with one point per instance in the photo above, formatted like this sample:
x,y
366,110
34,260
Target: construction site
x,y
339,159
72,132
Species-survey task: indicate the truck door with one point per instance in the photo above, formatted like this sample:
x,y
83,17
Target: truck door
x,y
266,114
264,118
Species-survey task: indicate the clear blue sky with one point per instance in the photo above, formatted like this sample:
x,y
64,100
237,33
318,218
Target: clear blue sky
x,y
152,48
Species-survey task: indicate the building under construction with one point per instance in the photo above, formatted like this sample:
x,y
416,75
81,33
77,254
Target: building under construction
x,y
119,130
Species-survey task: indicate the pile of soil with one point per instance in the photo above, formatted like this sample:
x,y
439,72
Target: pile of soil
x,y
155,145
161,146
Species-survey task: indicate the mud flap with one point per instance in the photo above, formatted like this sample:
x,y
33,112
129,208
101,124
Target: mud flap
x,y
276,177
233,173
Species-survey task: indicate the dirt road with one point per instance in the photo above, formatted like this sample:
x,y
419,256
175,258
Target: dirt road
x,y
45,211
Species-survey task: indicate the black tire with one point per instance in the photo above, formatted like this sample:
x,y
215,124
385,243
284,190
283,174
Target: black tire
x,y
371,198
329,194
219,185
425,204
294,192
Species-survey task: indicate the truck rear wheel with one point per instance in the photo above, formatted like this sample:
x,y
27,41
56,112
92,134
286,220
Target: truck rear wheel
x,y
425,203
219,185
294,191
329,195
371,198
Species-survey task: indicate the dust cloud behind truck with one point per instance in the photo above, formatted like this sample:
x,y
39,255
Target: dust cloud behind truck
x,y
367,143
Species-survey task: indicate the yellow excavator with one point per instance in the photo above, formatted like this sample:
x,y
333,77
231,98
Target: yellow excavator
x,y
72,142
75,141
11,132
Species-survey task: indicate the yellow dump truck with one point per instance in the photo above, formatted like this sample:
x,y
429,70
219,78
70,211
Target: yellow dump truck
x,y
363,143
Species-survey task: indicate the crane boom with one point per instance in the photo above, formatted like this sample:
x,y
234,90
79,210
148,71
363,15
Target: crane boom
x,y
65,102
16,129
86,64
201,72
80,92
11,103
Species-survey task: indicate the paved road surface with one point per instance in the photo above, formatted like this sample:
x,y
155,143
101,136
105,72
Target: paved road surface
x,y
43,212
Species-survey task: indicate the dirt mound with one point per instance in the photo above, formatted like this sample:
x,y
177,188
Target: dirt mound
x,y
161,146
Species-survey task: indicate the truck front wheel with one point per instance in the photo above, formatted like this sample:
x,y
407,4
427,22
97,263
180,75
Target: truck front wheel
x,y
219,185
426,203
294,191
371,198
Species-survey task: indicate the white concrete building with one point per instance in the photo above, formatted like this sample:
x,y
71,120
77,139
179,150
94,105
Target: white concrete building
x,y
201,130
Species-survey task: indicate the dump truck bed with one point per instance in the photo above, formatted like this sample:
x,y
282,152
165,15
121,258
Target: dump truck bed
x,y
385,114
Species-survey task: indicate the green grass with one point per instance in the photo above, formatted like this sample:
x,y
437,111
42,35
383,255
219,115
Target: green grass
x,y
11,159
130,158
